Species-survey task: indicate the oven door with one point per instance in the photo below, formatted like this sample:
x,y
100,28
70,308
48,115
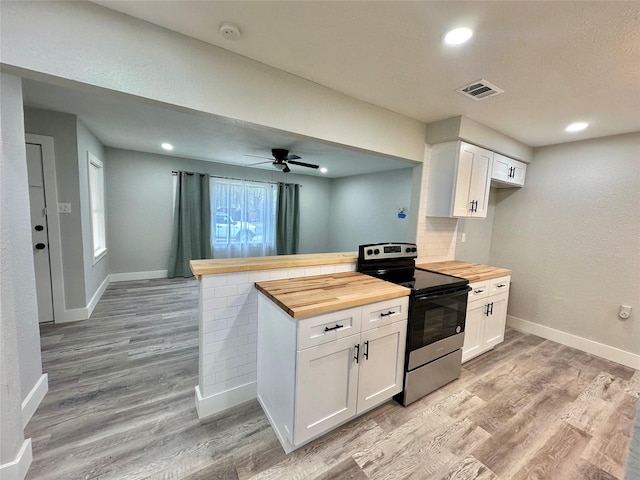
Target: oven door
x,y
436,317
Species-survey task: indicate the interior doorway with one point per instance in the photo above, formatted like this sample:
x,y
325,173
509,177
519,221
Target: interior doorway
x,y
45,227
40,232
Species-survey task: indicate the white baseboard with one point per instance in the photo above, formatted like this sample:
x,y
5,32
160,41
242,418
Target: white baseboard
x,y
98,295
599,349
129,276
72,315
32,401
214,404
18,467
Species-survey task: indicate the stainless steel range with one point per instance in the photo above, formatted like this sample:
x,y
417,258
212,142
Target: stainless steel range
x,y
437,311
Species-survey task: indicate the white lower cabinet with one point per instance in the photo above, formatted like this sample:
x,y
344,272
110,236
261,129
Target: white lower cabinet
x,y
486,316
306,392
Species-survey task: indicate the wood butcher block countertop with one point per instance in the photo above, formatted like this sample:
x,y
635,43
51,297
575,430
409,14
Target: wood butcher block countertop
x,y
307,296
471,271
230,265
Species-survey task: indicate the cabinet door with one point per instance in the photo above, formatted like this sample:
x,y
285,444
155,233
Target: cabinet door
x,y
472,182
381,364
474,330
480,181
507,171
326,387
496,320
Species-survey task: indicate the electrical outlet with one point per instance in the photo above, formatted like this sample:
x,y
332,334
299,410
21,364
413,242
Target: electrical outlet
x,y
64,208
625,312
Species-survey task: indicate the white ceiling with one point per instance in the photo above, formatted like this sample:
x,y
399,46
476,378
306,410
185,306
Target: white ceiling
x,y
558,62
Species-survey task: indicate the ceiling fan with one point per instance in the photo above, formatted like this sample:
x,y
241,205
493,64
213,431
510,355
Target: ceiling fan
x,y
282,159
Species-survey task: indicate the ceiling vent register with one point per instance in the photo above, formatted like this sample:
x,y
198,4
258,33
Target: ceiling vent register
x,y
480,90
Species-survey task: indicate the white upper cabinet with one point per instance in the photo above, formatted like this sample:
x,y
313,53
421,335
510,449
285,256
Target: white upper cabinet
x,y
459,180
507,172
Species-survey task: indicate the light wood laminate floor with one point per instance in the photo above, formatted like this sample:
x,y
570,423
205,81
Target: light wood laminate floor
x,y
121,406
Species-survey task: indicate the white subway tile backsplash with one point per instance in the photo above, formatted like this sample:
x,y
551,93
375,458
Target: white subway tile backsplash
x,y
311,271
248,308
236,362
214,325
248,368
248,349
259,276
226,312
238,300
226,354
277,274
213,281
229,324
247,329
238,321
225,291
225,334
237,278
245,288
226,374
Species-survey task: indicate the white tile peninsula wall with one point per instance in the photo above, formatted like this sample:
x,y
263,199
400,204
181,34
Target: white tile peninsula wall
x,y
228,321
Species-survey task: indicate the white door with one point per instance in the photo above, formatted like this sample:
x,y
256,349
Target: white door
x,y
381,364
496,320
480,180
327,382
39,232
474,330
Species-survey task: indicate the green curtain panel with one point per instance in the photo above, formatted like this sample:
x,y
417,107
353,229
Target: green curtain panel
x,y
191,223
288,219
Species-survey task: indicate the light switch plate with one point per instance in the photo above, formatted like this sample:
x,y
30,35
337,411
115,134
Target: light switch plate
x,y
64,208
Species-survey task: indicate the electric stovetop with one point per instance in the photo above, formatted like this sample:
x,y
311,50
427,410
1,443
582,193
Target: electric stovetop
x,y
425,281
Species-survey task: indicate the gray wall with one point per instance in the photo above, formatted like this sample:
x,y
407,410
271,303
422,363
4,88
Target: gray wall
x,y
571,237
62,127
140,206
94,275
478,232
364,209
20,361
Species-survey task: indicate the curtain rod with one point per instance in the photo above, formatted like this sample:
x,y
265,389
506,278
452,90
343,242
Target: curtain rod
x,y
239,179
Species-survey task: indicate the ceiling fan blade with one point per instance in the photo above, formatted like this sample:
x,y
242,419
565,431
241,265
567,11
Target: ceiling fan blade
x,y
302,164
259,163
292,157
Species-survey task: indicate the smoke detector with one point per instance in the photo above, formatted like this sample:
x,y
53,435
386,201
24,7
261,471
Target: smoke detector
x,y
230,31
480,90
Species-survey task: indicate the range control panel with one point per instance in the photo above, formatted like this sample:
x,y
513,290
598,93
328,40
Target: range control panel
x,y
383,251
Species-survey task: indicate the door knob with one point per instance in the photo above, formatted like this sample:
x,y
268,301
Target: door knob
x,y
39,228
40,246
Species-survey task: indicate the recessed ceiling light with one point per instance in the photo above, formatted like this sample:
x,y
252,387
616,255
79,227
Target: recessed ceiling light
x,y
576,127
458,36
323,170
167,146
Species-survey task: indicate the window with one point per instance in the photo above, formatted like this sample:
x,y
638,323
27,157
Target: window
x,y
96,202
243,218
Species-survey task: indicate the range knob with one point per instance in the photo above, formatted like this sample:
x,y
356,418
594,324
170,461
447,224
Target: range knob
x,y
408,249
369,252
414,249
376,251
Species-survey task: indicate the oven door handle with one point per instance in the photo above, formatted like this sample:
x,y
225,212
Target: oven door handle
x,y
424,298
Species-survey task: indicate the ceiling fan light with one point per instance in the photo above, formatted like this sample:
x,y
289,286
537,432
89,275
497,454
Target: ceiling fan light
x,y
280,166
576,127
458,36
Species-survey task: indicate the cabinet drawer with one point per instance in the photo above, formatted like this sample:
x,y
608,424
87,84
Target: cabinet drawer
x,y
499,285
328,327
386,312
479,290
